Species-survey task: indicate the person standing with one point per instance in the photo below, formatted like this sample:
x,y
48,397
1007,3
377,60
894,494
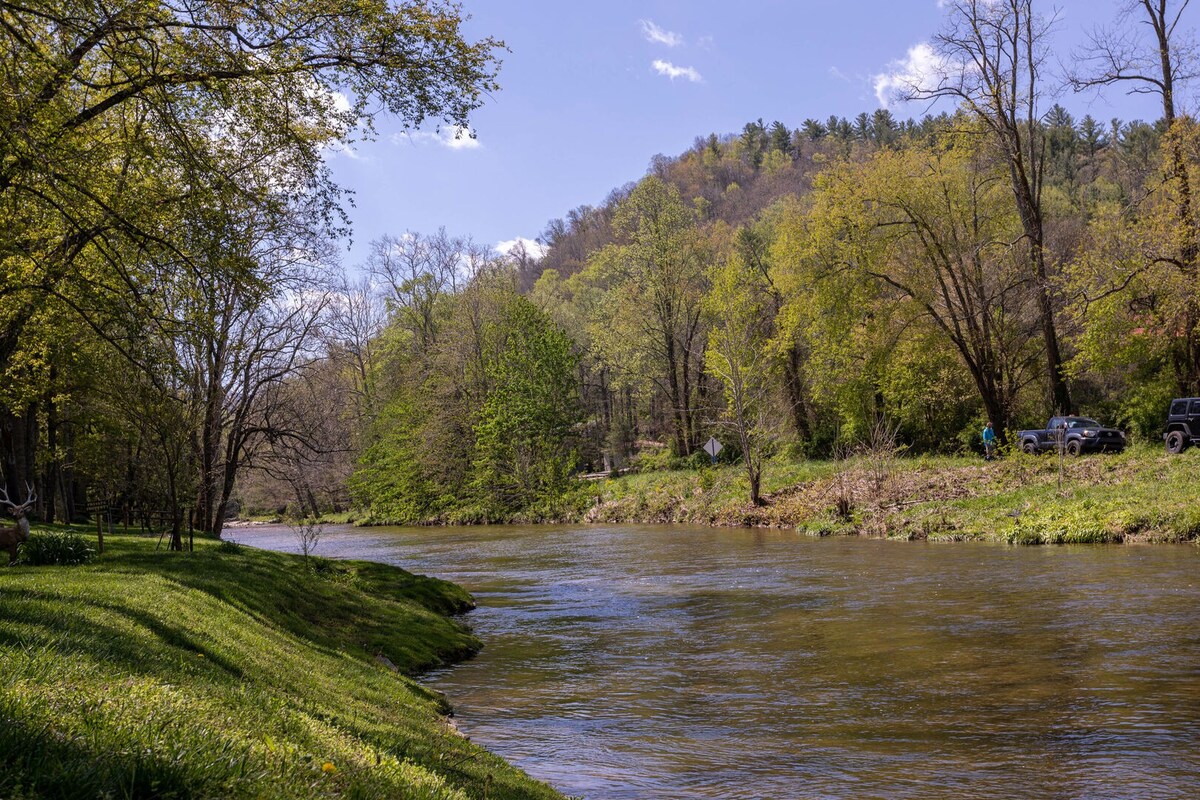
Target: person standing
x,y
989,442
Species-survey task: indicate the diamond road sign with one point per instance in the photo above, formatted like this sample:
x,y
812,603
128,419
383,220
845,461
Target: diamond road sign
x,y
712,447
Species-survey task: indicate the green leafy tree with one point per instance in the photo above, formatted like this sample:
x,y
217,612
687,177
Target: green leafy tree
x,y
991,56
862,127
738,355
753,143
525,447
1137,301
649,323
1160,64
754,246
780,138
930,228
814,130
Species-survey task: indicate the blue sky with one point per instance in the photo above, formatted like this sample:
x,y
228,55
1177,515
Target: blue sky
x,y
591,91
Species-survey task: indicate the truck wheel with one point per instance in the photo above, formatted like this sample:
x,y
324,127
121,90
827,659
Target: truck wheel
x,y
1074,447
1030,448
1176,442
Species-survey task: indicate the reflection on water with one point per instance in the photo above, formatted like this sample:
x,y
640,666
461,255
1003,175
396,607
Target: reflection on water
x,y
639,662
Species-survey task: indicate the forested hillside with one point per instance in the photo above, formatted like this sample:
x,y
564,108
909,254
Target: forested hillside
x,y
794,289
789,288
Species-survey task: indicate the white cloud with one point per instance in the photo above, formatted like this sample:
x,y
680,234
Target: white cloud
x,y
534,249
452,136
837,73
671,71
921,69
657,35
457,138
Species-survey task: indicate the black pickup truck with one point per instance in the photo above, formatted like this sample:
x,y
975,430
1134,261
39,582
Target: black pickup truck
x,y
1075,434
1183,424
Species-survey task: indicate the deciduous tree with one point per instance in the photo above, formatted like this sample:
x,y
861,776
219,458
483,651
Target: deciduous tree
x,y
992,55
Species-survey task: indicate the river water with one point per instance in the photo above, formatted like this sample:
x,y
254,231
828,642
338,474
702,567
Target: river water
x,y
676,662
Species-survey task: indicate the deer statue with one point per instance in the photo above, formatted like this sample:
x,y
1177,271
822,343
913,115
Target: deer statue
x,y
13,536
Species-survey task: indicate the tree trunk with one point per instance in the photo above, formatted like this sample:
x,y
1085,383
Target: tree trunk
x,y
678,420
228,479
176,543
750,458
998,414
53,488
797,397
73,490
209,442
18,440
1031,222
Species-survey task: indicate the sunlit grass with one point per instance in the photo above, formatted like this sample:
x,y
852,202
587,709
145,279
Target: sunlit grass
x,y
231,672
1142,494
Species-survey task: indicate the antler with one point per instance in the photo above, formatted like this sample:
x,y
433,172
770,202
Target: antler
x,y
31,496
13,507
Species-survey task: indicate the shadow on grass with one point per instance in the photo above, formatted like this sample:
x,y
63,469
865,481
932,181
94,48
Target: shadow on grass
x,y
102,643
356,606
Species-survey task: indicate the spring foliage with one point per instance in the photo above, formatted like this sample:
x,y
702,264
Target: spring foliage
x,y
482,421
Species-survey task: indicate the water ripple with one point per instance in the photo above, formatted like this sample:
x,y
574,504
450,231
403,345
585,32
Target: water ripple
x,y
668,662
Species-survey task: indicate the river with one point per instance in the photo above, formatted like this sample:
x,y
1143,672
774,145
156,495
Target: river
x,y
677,662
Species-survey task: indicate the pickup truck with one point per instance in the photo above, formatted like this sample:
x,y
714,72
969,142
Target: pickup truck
x,y
1076,435
1183,424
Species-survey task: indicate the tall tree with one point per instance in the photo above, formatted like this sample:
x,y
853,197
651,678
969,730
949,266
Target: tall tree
x,y
524,432
754,248
932,226
991,58
1158,64
738,355
650,322
781,138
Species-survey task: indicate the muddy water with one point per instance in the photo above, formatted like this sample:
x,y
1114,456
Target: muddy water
x,y
670,662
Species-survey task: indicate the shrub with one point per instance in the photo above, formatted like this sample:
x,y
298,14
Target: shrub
x,y
651,459
56,548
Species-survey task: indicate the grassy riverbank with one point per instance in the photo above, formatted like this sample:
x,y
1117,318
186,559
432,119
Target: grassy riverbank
x,y
232,672
1143,494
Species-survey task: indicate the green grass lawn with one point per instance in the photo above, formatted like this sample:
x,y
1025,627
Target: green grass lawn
x,y
1143,494
232,672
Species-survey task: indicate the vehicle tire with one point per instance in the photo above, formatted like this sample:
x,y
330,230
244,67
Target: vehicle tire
x,y
1074,447
1030,448
1176,442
